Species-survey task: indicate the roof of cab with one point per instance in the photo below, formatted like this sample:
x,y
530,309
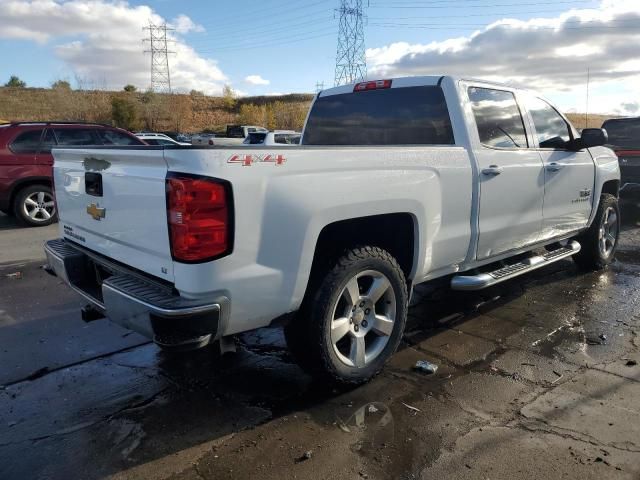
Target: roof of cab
x,y
414,81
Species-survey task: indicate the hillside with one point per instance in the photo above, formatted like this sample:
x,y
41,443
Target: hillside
x,y
193,112
136,110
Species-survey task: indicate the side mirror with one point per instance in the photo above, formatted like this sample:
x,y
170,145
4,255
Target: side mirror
x,y
593,137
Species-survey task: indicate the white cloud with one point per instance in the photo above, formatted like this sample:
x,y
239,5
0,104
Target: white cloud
x,y
256,80
101,41
548,54
184,24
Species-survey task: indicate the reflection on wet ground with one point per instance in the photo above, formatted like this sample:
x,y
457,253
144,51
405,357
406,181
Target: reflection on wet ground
x,y
535,380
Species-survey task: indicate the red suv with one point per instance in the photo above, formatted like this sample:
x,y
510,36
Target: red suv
x,y
26,163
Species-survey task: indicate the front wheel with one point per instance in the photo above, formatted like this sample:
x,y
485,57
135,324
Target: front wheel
x,y
600,241
354,321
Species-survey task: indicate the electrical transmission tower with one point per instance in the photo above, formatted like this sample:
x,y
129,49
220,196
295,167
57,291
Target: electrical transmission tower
x,y
351,65
319,86
160,78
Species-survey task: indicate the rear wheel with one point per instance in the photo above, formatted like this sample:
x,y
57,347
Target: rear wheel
x,y
599,243
34,206
354,321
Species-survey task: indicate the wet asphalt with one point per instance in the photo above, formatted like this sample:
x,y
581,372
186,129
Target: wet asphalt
x,y
537,378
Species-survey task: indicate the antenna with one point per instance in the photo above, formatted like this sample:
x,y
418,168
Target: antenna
x,y
351,65
586,113
160,78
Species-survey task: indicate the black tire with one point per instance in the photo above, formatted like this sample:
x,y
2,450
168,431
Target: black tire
x,y
309,335
592,255
46,212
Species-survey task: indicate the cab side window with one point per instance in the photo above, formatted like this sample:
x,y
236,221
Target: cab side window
x,y
27,142
498,118
553,131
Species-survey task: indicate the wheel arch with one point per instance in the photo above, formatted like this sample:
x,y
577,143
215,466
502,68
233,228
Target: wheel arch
x,y
396,233
27,182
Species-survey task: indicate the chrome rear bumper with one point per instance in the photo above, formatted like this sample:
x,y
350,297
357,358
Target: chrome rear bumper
x,y
133,301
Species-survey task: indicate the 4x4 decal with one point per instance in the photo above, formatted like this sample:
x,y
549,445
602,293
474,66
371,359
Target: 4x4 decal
x,y
249,159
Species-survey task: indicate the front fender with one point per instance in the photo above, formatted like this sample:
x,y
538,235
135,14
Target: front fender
x,y
607,169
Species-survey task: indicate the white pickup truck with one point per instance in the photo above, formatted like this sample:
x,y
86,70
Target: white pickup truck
x,y
396,182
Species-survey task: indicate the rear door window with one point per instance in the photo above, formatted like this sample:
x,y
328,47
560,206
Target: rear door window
x,y
553,131
27,142
255,138
114,137
624,133
393,116
48,141
76,136
498,118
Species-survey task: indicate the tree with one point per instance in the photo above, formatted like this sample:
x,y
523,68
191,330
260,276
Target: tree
x,y
129,88
123,113
229,97
15,82
61,85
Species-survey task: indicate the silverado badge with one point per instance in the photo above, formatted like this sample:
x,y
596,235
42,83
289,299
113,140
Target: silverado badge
x,y
95,211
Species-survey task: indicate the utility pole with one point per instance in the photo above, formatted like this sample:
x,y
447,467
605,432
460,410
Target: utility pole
x,y
351,65
319,86
586,112
160,78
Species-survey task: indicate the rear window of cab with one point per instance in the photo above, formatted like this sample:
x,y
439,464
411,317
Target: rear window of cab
x,y
392,116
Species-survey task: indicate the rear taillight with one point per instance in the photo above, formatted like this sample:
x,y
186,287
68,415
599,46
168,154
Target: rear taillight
x,y
374,85
199,217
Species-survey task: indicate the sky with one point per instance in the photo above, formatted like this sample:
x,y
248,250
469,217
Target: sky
x,y
263,47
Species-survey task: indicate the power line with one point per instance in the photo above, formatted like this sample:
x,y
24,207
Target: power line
x,y
476,6
225,26
160,77
287,39
351,65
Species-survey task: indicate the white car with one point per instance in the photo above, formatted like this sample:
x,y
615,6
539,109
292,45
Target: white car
x,y
211,140
277,137
396,182
158,139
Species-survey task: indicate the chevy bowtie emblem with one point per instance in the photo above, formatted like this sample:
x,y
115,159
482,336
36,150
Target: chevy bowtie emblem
x,y
96,212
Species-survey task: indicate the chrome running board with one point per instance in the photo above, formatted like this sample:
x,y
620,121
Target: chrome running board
x,y
487,279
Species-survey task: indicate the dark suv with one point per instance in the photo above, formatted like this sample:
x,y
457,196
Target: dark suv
x,y
26,161
624,139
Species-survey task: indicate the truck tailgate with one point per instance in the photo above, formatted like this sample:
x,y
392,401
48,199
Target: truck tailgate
x,y
112,201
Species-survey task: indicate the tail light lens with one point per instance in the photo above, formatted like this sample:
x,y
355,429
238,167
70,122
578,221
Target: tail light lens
x,y
199,217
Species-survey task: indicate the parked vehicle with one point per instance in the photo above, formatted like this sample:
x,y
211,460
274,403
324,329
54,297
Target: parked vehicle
x,y
277,137
440,178
158,139
203,139
624,139
26,161
242,131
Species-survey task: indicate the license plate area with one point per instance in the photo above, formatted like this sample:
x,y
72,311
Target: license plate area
x,y
93,184
90,278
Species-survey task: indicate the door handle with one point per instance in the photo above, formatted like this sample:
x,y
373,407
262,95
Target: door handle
x,y
493,170
554,167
